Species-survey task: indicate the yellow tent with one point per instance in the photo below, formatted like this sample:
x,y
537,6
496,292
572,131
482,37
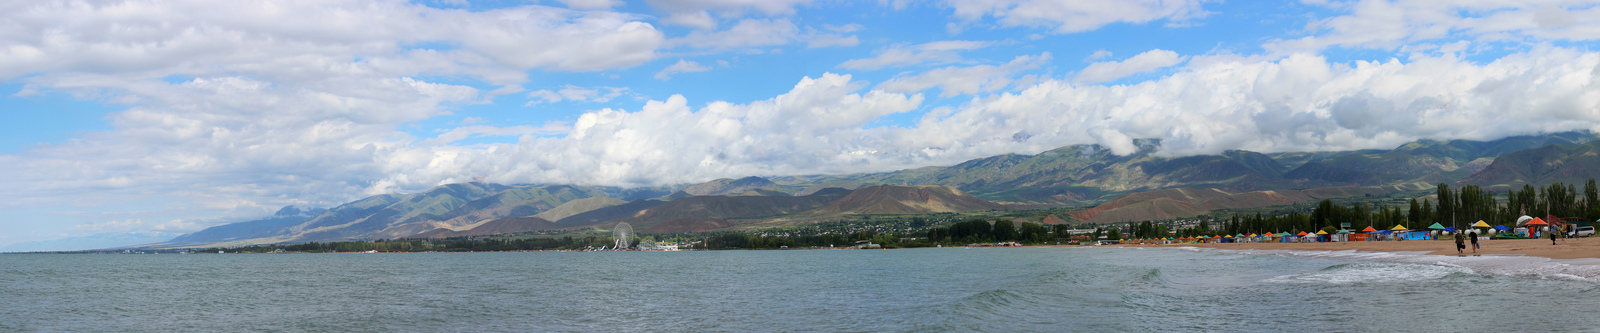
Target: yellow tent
x,y
1398,228
1320,232
1481,225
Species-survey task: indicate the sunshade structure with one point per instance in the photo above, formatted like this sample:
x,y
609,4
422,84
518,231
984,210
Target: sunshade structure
x,y
1369,229
1342,231
1501,228
1481,225
1302,233
1399,228
1320,232
1450,229
1436,226
1537,221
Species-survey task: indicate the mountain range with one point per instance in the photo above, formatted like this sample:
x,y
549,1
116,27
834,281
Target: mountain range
x,y
1143,185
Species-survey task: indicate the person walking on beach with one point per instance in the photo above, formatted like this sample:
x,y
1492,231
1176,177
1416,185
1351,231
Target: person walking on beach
x,y
1459,244
1552,234
1474,242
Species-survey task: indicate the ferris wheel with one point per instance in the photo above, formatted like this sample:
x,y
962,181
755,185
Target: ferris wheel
x,y
623,235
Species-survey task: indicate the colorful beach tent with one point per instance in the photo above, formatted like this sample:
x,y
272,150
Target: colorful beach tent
x,y
1481,225
1398,228
1436,226
1537,221
1450,229
1302,233
1501,228
1369,229
1320,232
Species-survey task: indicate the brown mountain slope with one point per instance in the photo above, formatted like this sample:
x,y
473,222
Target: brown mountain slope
x,y
579,206
688,225
499,226
888,199
724,207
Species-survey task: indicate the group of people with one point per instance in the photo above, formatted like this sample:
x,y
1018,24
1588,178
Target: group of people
x,y
1462,237
1461,245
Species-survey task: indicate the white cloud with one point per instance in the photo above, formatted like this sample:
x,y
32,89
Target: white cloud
x,y
1075,16
1393,24
966,80
934,52
683,66
1144,62
697,13
308,40
576,94
507,90
591,4
1097,55
747,34
472,131
847,28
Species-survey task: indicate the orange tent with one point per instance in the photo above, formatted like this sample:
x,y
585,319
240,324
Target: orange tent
x,y
1302,233
1537,221
1369,229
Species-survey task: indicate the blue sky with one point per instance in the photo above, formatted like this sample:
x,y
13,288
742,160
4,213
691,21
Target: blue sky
x,y
154,119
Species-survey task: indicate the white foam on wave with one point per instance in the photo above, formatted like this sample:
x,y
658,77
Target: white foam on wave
x,y
1503,265
1371,273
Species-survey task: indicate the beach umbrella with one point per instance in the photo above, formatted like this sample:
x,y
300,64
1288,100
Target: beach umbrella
x,y
1320,232
1342,231
1537,221
1398,228
1302,233
1481,225
1436,226
1369,229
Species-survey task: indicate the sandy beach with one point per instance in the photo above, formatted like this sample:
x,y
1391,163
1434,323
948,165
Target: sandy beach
x,y
1570,248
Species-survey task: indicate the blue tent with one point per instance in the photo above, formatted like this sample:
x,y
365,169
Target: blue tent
x,y
1451,229
1501,228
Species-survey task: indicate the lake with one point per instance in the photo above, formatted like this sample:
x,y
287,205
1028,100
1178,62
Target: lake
x,y
988,289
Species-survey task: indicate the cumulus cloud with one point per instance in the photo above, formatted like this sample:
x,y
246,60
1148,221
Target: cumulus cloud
x,y
954,81
934,52
1301,102
1144,62
1393,24
683,66
1075,16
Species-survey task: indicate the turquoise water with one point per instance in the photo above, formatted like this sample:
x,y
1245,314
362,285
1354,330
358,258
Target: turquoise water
x,y
1026,289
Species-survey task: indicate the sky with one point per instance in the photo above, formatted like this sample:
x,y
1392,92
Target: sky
x,y
131,121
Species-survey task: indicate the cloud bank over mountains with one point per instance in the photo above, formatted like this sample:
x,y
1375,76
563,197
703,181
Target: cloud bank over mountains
x,y
235,108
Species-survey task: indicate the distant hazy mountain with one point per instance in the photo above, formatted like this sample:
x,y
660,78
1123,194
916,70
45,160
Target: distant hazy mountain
x,y
96,241
727,186
1134,187
1571,164
1425,161
277,225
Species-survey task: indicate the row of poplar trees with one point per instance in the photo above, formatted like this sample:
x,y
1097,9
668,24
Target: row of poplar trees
x,y
1456,207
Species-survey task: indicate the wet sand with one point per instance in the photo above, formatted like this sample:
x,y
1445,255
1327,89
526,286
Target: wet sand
x,y
1568,248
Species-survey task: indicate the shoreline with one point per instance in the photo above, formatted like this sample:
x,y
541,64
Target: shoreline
x,y
1574,249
